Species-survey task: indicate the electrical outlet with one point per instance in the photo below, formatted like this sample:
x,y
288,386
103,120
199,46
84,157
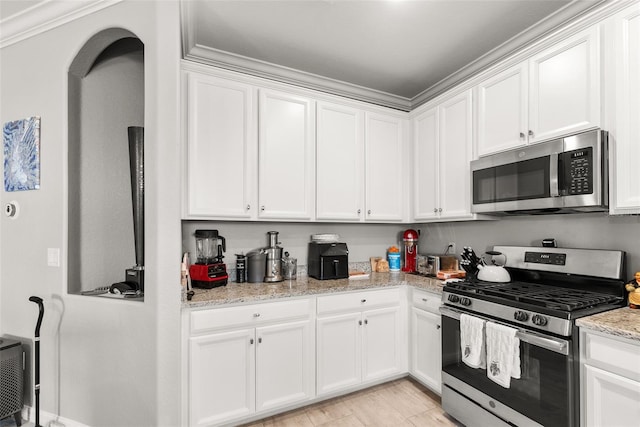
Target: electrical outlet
x,y
451,249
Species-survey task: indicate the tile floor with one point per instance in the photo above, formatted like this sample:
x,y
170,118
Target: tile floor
x,y
403,402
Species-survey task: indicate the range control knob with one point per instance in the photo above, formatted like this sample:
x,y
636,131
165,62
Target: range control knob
x,y
453,298
521,316
465,301
539,320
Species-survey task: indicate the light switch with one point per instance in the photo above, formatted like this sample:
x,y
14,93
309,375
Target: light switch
x,y
53,257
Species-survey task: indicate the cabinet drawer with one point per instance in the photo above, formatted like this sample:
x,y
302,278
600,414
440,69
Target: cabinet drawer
x,y
358,301
613,355
426,301
248,315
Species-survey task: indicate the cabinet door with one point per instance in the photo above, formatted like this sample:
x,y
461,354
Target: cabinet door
x,y
384,154
455,156
426,357
425,166
625,149
221,148
502,110
339,163
610,399
382,343
339,352
284,364
286,156
565,87
221,373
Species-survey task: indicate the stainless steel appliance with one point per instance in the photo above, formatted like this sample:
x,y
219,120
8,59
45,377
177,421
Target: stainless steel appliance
x,y
273,268
429,265
564,175
550,288
328,260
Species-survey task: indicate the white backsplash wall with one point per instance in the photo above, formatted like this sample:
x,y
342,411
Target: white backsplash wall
x,y
591,231
363,240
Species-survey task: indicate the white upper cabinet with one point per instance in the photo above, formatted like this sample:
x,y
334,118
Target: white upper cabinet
x,y
221,148
565,87
502,108
554,93
425,165
339,163
384,163
624,126
286,165
442,152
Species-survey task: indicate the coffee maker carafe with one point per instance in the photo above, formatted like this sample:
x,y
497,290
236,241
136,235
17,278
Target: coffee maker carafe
x,y
273,269
209,271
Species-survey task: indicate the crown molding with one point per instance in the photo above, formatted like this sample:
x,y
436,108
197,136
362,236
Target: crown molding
x,y
45,16
282,74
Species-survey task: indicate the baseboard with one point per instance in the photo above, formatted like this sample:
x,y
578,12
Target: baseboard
x,y
47,419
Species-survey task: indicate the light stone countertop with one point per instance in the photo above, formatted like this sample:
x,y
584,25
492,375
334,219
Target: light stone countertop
x,y
238,293
622,322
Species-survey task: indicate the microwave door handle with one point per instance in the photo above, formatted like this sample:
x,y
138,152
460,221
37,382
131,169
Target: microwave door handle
x,y
553,175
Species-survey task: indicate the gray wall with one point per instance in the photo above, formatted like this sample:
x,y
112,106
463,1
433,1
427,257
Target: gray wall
x,y
365,240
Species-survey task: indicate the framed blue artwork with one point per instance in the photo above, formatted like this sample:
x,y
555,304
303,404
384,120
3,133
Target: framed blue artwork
x,y
22,154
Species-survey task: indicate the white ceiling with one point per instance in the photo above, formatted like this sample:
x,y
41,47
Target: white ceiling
x,y
401,48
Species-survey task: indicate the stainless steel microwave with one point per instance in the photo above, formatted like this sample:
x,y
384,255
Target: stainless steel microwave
x,y
559,176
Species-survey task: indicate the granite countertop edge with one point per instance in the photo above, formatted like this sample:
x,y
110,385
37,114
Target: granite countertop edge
x,y
245,293
623,322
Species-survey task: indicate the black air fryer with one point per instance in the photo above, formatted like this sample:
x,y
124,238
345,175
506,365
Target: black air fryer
x,y
328,261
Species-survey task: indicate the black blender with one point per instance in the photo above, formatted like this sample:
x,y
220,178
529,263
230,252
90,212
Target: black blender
x,y
209,271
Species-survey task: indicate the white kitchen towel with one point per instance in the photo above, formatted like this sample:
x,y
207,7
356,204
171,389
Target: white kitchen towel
x,y
503,354
472,341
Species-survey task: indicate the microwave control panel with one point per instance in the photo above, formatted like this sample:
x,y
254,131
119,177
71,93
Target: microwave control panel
x,y
578,166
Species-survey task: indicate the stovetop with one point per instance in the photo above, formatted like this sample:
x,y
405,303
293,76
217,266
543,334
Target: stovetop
x,y
541,295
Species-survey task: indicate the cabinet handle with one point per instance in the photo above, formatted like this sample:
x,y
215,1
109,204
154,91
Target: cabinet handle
x,y
366,322
256,314
439,209
437,326
248,207
369,211
531,133
360,322
260,340
251,341
359,211
435,210
363,301
262,208
424,299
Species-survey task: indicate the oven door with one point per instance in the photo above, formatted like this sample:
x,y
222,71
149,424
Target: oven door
x,y
544,394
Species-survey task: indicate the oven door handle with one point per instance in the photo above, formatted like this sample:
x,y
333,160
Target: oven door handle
x,y
554,344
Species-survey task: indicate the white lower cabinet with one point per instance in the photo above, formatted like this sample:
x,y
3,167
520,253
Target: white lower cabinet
x,y
610,381
359,339
248,359
426,334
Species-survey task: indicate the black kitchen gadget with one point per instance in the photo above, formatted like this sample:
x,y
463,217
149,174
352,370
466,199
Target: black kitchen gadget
x,y
209,271
328,261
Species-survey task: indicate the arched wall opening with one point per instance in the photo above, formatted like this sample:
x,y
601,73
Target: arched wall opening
x,y
106,97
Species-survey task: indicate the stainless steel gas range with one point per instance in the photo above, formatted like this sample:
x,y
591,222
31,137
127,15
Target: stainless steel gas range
x,y
549,289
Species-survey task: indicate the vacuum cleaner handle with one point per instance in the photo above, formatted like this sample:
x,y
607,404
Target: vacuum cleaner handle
x,y
38,301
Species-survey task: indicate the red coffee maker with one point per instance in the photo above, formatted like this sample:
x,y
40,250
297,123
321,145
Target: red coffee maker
x,y
410,253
